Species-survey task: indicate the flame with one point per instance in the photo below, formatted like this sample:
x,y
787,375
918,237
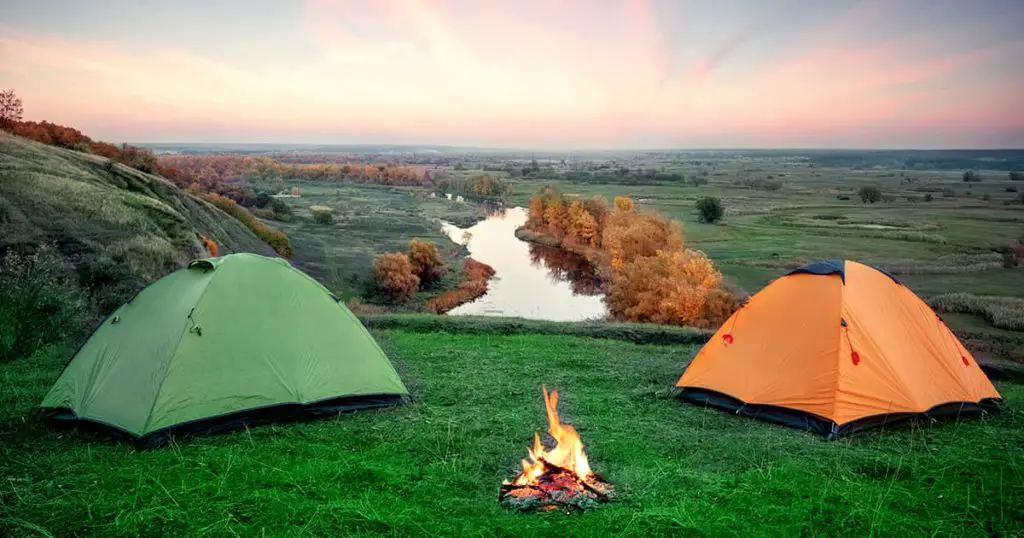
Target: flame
x,y
567,453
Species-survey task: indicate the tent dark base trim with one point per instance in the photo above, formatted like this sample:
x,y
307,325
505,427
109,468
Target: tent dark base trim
x,y
808,421
229,422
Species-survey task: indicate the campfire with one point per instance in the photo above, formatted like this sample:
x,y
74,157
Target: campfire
x,y
559,478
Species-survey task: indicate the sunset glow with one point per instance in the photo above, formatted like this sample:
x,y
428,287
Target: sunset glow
x,y
529,73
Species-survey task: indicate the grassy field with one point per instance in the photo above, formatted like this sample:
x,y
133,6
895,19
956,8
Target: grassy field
x,y
936,247
368,220
434,467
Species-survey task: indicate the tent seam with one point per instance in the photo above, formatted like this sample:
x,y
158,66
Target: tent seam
x,y
163,377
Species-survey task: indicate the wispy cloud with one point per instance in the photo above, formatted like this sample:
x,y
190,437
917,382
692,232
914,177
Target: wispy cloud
x,y
578,73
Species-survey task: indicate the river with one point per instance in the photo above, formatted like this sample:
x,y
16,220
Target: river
x,y
531,281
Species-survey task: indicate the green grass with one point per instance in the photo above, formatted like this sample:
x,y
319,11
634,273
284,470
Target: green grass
x,y
119,228
434,467
367,220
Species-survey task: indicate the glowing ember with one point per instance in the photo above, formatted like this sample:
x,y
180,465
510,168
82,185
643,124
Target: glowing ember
x,y
556,478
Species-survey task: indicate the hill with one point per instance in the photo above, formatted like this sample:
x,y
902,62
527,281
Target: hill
x,y
118,227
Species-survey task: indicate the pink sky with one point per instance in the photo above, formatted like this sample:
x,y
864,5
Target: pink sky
x,y
530,74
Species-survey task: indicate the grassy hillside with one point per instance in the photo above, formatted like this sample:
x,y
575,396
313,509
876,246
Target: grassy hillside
x,y
434,467
119,228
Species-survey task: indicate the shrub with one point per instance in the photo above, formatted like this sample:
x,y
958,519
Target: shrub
x,y
280,210
971,176
987,197
1011,188
275,238
928,197
426,261
40,302
842,197
322,214
710,209
623,203
870,195
394,276
1016,176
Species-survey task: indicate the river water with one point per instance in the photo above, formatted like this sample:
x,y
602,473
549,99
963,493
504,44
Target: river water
x,y
531,281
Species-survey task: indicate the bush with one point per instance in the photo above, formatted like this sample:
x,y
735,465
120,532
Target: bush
x,y
322,214
928,197
1016,176
40,302
394,276
280,210
1011,188
987,197
710,209
426,261
275,238
842,197
870,195
971,176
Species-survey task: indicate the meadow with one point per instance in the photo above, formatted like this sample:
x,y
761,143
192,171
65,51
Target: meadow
x,y
368,220
433,467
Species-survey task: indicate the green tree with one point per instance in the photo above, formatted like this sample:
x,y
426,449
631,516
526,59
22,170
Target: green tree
x,y
711,209
870,195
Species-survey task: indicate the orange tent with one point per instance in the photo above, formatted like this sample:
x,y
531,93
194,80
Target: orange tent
x,y
835,347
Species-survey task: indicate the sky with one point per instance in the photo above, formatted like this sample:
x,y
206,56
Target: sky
x,y
543,74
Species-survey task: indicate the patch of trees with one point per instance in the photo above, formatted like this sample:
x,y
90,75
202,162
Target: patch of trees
x,y
970,176
479,186
624,176
649,275
399,275
1016,176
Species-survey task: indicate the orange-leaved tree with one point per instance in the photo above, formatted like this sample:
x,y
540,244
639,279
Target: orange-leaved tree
x,y
672,287
394,275
623,203
426,261
629,235
583,227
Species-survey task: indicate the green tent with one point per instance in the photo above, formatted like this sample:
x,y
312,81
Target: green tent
x,y
226,341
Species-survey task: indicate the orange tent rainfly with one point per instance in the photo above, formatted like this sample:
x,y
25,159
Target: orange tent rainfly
x,y
834,347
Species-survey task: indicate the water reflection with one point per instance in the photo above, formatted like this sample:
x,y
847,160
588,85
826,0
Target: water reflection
x,y
567,266
532,281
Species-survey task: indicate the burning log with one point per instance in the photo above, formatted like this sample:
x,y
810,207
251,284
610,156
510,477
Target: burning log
x,y
559,478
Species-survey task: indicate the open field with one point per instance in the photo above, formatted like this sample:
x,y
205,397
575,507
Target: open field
x,y
434,467
367,220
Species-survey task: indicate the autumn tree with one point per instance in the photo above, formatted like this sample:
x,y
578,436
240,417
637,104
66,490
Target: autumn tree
x,y
426,261
623,203
671,287
631,235
10,109
556,216
394,276
583,227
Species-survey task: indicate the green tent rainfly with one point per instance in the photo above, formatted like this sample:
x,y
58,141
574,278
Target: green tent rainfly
x,y
226,341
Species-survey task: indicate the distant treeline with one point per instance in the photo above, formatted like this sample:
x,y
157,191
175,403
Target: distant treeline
x,y
1004,160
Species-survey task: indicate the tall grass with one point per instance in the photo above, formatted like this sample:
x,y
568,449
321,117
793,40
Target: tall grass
x,y
1002,312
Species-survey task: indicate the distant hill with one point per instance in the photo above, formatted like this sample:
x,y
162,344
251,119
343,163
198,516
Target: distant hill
x,y
120,228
